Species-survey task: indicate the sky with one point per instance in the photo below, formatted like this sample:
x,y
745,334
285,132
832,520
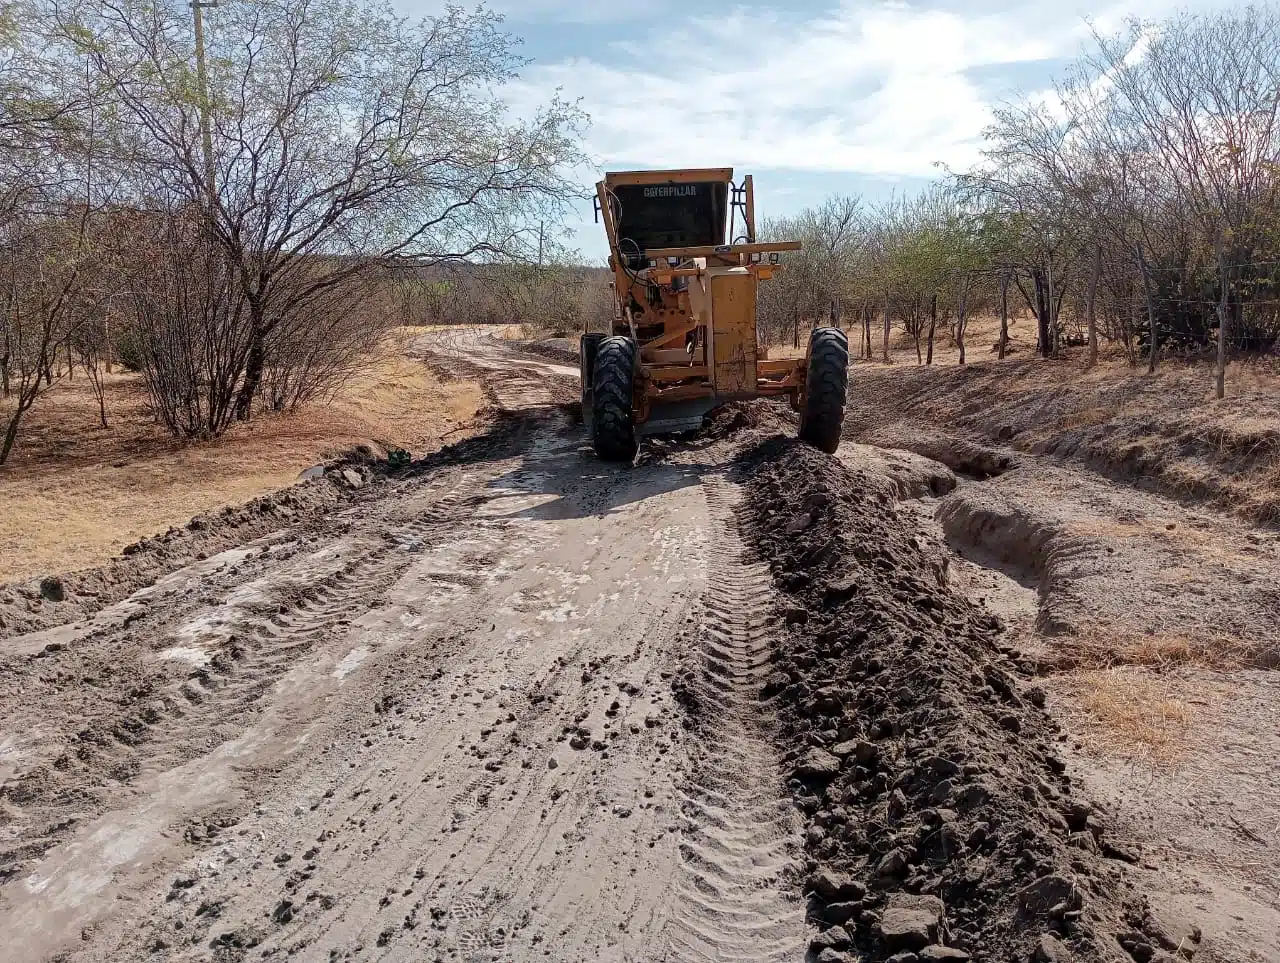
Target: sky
x,y
812,97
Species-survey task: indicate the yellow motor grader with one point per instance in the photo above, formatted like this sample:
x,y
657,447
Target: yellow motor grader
x,y
683,336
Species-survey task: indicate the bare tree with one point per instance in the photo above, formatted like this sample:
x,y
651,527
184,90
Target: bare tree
x,y
344,138
43,259
1206,92
49,196
188,323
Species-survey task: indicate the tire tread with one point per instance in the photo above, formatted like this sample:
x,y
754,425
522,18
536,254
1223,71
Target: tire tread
x,y
613,424
826,388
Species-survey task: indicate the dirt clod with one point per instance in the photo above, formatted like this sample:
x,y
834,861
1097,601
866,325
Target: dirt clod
x,y
911,922
836,938
939,952
52,589
817,764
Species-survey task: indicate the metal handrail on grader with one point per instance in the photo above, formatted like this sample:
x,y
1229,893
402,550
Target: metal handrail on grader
x,y
684,337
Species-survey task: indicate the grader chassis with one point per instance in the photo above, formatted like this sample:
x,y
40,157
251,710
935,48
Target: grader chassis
x,y
683,336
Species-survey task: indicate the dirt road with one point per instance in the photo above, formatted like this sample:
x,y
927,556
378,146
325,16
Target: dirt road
x,y
438,725
737,702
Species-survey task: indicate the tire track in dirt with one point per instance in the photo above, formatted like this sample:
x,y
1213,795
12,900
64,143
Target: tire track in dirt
x,y
493,778
237,650
349,599
740,833
466,741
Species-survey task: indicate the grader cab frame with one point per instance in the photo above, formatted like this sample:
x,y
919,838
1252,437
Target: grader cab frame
x,y
683,336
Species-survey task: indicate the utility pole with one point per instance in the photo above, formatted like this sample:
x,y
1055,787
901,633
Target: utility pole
x,y
206,128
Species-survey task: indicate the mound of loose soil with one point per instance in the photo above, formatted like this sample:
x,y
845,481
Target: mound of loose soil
x,y
941,823
563,350
58,599
1163,432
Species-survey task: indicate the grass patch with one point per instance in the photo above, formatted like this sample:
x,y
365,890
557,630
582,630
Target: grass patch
x,y
1133,711
1100,649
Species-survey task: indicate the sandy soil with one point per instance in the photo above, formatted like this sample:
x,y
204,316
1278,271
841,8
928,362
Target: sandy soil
x,y
739,701
74,494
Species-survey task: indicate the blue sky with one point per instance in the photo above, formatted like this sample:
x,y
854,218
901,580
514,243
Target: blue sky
x,y
813,97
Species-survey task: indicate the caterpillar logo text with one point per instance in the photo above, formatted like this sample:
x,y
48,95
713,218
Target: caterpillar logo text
x,y
678,190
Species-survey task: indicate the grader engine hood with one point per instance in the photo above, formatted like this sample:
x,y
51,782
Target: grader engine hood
x,y
724,302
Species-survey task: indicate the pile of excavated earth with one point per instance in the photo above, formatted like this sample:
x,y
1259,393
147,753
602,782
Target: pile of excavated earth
x,y
941,824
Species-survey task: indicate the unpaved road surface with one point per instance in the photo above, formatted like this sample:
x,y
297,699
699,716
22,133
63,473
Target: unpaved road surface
x,y
737,702
436,725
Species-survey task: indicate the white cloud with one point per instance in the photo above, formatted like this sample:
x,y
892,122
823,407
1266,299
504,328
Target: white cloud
x,y
571,11
859,91
878,90
546,11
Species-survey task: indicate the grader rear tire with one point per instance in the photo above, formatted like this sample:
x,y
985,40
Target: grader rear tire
x,y
826,385
613,427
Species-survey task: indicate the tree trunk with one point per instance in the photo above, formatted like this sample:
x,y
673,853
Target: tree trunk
x,y
1220,384
91,369
1131,331
11,433
1153,345
866,331
960,322
795,330
252,378
1053,319
1092,319
1043,344
917,328
886,327
933,325
1004,314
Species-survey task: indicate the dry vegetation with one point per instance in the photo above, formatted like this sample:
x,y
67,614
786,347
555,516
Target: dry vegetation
x,y
1096,648
76,493
244,238
1163,431
1137,217
1139,715
199,273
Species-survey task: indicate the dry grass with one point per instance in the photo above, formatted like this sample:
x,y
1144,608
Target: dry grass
x,y
75,494
781,352
525,331
1103,649
1088,417
1163,529
1132,711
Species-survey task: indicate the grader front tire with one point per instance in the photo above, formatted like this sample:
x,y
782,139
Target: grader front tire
x,y
613,425
826,385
